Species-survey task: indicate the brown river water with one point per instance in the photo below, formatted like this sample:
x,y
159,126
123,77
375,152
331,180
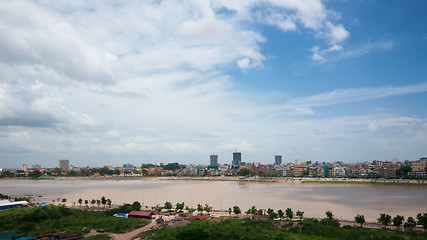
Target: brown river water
x,y
345,201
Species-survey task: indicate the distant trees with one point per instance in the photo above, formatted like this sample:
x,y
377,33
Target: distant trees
x,y
180,206
199,207
280,213
398,220
422,219
289,213
103,201
244,172
360,219
80,201
329,214
384,219
93,202
300,214
35,174
208,208
236,210
168,205
410,223
109,203
86,202
136,206
64,200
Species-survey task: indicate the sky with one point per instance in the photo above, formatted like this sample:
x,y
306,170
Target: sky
x,y
114,82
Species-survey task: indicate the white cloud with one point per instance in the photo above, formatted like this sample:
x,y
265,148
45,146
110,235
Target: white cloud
x,y
302,111
342,96
243,145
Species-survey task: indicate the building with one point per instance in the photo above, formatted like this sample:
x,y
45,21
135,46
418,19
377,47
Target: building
x,y
140,214
213,160
24,167
64,164
277,160
36,166
6,204
420,165
237,159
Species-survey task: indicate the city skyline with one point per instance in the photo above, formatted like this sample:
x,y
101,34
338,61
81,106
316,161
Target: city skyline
x,y
161,81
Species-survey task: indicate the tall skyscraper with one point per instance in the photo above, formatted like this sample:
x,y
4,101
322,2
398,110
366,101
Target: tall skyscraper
x,y
277,159
237,159
64,164
214,160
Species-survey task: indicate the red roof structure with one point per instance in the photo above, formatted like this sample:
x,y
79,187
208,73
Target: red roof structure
x,y
140,214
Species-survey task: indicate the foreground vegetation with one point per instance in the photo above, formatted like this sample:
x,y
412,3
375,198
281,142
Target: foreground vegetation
x,y
47,219
269,229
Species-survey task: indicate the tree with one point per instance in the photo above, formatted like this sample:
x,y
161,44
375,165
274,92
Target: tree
x,y
398,220
252,210
422,219
236,210
136,206
280,213
360,219
180,206
329,214
410,223
289,213
64,200
208,208
229,211
109,203
103,201
244,172
93,202
98,202
199,207
35,173
80,201
272,215
86,202
384,219
270,211
168,205
300,214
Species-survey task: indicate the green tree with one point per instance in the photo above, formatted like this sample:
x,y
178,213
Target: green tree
x,y
109,203
410,223
398,220
86,202
280,213
236,210
329,214
35,173
98,202
289,213
229,211
93,202
80,201
422,219
208,208
168,205
199,207
360,219
136,206
103,201
300,214
252,210
64,200
180,206
384,219
244,172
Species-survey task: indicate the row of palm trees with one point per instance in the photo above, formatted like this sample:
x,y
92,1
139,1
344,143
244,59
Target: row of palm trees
x,y
104,201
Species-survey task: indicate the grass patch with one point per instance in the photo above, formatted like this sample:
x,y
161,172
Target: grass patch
x,y
47,219
98,237
266,229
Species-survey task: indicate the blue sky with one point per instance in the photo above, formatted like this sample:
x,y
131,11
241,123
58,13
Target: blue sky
x,y
112,82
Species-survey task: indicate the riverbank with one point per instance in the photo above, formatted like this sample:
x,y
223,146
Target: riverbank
x,y
290,180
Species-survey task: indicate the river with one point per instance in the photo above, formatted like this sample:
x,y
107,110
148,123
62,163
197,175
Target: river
x,y
345,201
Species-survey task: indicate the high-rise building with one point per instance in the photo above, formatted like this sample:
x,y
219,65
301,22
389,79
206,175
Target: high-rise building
x,y
237,159
24,167
36,166
64,164
277,159
214,160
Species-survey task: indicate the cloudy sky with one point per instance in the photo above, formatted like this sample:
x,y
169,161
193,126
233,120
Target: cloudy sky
x,y
111,82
